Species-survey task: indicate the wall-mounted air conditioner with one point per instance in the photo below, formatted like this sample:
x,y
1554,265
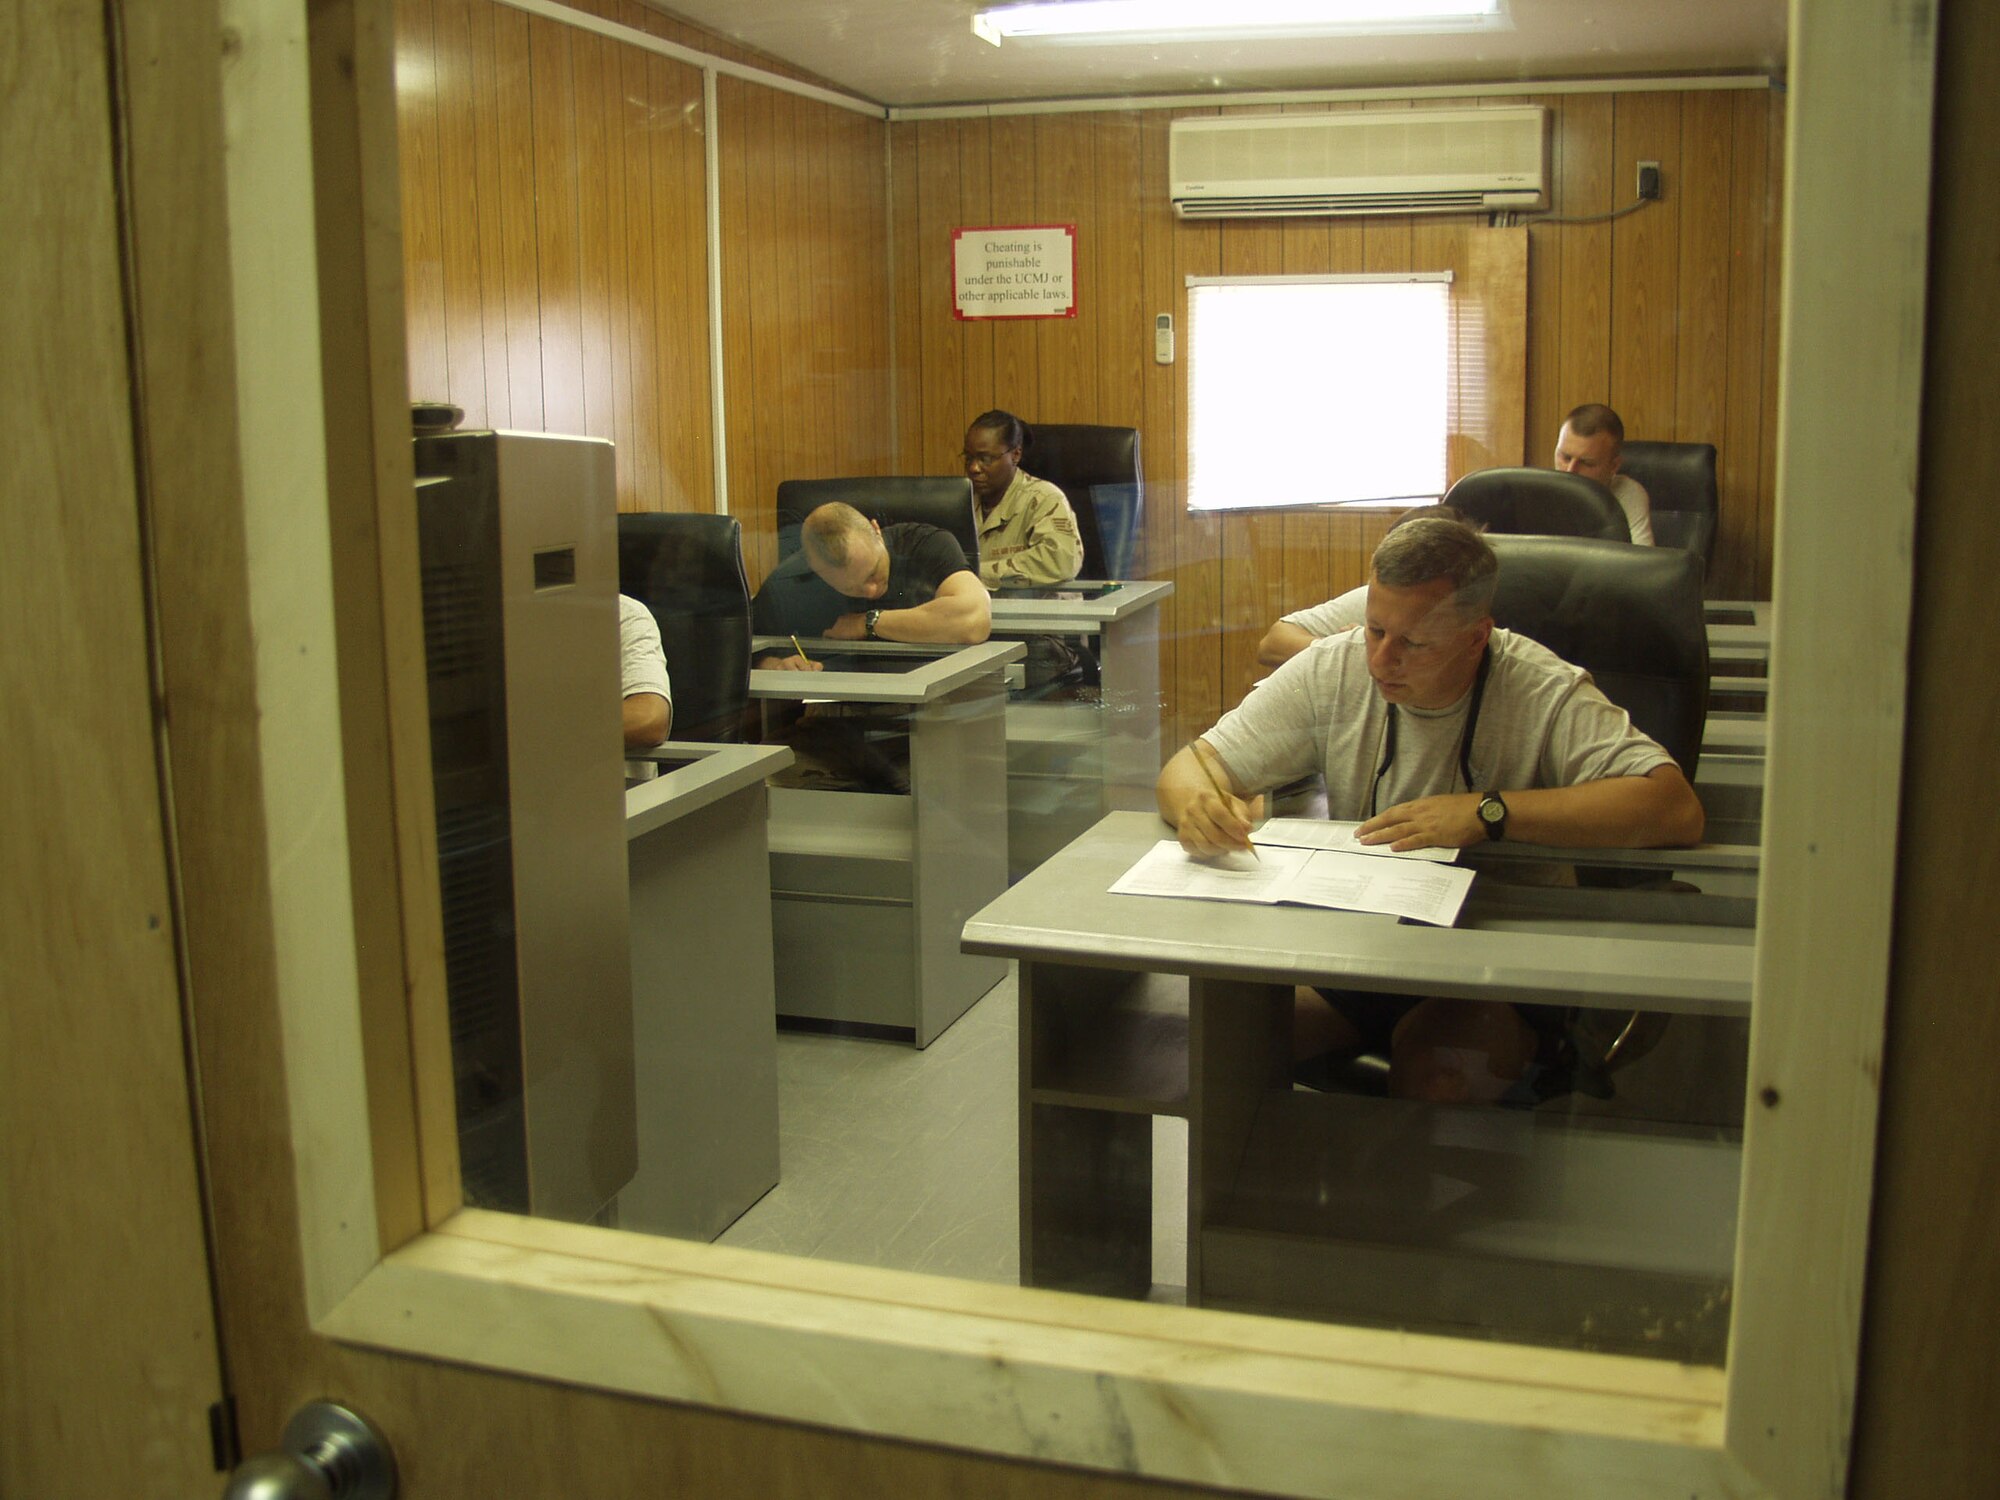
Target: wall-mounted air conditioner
x,y
1391,161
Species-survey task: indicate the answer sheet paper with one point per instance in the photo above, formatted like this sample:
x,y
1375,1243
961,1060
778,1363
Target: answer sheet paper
x,y
1423,890
1320,833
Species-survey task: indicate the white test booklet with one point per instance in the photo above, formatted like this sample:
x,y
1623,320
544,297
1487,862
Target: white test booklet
x,y
1322,833
1422,890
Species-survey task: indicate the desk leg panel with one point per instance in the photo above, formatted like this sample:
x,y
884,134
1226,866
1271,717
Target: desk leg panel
x,y
703,1018
958,776
1239,1056
1093,1044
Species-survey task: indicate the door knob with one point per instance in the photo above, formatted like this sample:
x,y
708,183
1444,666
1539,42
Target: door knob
x,y
329,1453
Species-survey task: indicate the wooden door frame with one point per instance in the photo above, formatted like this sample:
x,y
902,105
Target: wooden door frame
x,y
109,1355
294,757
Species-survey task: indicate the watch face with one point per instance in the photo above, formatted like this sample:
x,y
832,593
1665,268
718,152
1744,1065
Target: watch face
x,y
1491,809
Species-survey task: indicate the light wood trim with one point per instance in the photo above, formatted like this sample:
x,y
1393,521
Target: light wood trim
x,y
1289,1408
391,834
1853,318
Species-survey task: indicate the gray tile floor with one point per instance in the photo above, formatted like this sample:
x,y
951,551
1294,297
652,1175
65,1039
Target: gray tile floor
x,y
893,1157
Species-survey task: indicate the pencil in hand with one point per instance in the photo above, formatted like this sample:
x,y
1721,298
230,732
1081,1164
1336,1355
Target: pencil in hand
x,y
800,649
1201,760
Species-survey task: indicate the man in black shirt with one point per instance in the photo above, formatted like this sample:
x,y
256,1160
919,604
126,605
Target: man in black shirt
x,y
854,579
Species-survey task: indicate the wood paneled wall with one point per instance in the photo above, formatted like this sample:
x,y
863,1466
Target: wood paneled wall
x,y
1668,313
554,217
556,250
805,286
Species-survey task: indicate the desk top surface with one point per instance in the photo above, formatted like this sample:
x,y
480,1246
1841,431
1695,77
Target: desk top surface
x,y
693,776
897,672
1081,607
1064,912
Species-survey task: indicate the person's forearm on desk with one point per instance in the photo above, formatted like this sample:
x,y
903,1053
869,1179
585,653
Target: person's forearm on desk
x,y
648,717
960,615
1053,556
1652,811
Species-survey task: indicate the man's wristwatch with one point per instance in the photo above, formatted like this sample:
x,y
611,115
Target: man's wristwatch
x,y
869,620
1493,815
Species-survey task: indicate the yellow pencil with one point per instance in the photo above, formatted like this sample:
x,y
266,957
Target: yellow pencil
x,y
800,649
1198,760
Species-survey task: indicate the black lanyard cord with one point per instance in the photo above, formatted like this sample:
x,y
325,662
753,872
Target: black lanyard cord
x,y
1464,739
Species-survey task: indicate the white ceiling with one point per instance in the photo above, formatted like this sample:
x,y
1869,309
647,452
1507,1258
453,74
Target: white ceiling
x,y
923,52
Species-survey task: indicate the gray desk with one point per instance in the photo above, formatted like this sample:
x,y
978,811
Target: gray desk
x,y
705,1044
1742,648
1069,762
868,889
1139,1007
1756,612
1732,762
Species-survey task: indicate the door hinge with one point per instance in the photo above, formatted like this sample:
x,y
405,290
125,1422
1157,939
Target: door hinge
x,y
222,1436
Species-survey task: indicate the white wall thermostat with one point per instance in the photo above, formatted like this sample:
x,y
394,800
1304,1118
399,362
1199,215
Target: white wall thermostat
x,y
1163,339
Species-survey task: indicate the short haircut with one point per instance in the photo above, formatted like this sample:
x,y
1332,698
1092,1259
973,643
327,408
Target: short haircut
x,y
1439,511
830,532
1432,547
1594,417
1010,429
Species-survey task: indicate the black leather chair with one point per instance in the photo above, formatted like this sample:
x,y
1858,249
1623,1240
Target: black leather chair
x,y
1540,502
1679,479
1098,469
1630,616
688,570
944,503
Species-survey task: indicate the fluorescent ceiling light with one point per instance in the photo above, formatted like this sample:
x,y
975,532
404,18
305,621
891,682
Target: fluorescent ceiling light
x,y
1170,20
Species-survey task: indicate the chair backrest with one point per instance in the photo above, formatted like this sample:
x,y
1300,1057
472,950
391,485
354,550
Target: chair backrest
x,y
1098,469
688,570
943,503
1540,502
1680,481
1630,616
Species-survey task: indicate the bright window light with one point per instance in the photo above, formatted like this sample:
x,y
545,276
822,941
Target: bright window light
x,y
1161,20
1317,390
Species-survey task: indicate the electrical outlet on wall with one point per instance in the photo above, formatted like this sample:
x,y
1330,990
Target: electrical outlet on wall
x,y
1649,179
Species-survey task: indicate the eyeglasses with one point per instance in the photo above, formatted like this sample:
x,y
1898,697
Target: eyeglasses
x,y
983,460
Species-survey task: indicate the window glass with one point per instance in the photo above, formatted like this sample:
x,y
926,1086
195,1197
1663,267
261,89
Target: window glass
x,y
1316,391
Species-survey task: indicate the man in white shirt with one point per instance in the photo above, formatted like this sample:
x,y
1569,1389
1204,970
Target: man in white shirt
x,y
648,706
1592,443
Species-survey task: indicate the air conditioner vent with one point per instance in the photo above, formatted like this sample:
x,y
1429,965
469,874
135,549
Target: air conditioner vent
x,y
1365,162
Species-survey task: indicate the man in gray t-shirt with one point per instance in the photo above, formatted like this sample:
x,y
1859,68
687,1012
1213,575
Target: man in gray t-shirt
x,y
1433,729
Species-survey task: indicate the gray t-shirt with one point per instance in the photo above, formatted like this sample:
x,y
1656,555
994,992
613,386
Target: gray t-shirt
x,y
1542,723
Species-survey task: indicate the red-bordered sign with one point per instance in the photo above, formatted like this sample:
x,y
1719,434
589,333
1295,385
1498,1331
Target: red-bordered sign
x,y
1013,271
